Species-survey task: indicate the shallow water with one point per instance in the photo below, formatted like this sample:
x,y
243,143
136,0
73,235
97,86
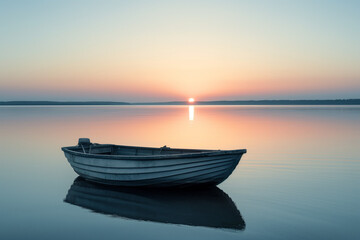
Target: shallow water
x,y
299,180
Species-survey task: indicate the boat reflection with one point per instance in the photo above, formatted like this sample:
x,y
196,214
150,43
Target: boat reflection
x,y
209,207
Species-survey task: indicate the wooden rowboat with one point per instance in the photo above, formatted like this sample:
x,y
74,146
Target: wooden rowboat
x,y
206,207
151,167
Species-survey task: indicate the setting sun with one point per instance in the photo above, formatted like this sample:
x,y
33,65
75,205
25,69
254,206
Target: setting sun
x,y
191,100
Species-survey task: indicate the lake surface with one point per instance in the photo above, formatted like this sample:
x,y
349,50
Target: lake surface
x,y
299,180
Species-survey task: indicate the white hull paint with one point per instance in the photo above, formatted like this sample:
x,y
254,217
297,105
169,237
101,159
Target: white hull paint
x,y
153,170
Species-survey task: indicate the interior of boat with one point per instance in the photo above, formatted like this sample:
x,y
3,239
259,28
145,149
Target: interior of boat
x,y
107,149
85,146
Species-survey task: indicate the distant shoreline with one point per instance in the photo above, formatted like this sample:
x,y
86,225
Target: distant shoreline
x,y
62,103
236,102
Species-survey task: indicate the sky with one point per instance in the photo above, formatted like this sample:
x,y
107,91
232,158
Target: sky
x,y
172,50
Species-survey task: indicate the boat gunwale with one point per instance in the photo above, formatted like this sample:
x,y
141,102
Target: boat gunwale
x,y
201,153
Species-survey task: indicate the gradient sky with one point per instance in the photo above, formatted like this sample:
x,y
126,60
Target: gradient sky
x,y
172,50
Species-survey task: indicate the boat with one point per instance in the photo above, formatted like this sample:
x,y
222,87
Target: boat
x,y
205,207
131,166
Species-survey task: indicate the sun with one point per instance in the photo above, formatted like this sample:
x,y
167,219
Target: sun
x,y
191,100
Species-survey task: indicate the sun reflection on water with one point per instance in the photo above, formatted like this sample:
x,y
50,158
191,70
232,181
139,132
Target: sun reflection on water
x,y
191,113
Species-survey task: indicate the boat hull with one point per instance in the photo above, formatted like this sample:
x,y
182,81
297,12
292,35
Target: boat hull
x,y
162,171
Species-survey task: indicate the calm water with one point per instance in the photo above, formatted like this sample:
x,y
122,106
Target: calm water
x,y
299,180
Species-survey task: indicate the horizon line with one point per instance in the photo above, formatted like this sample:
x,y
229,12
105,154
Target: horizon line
x,y
345,101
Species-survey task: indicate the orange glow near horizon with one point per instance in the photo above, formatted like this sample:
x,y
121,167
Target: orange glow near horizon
x,y
191,100
242,127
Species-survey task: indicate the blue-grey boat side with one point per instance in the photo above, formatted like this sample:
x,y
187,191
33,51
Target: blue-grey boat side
x,y
151,167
